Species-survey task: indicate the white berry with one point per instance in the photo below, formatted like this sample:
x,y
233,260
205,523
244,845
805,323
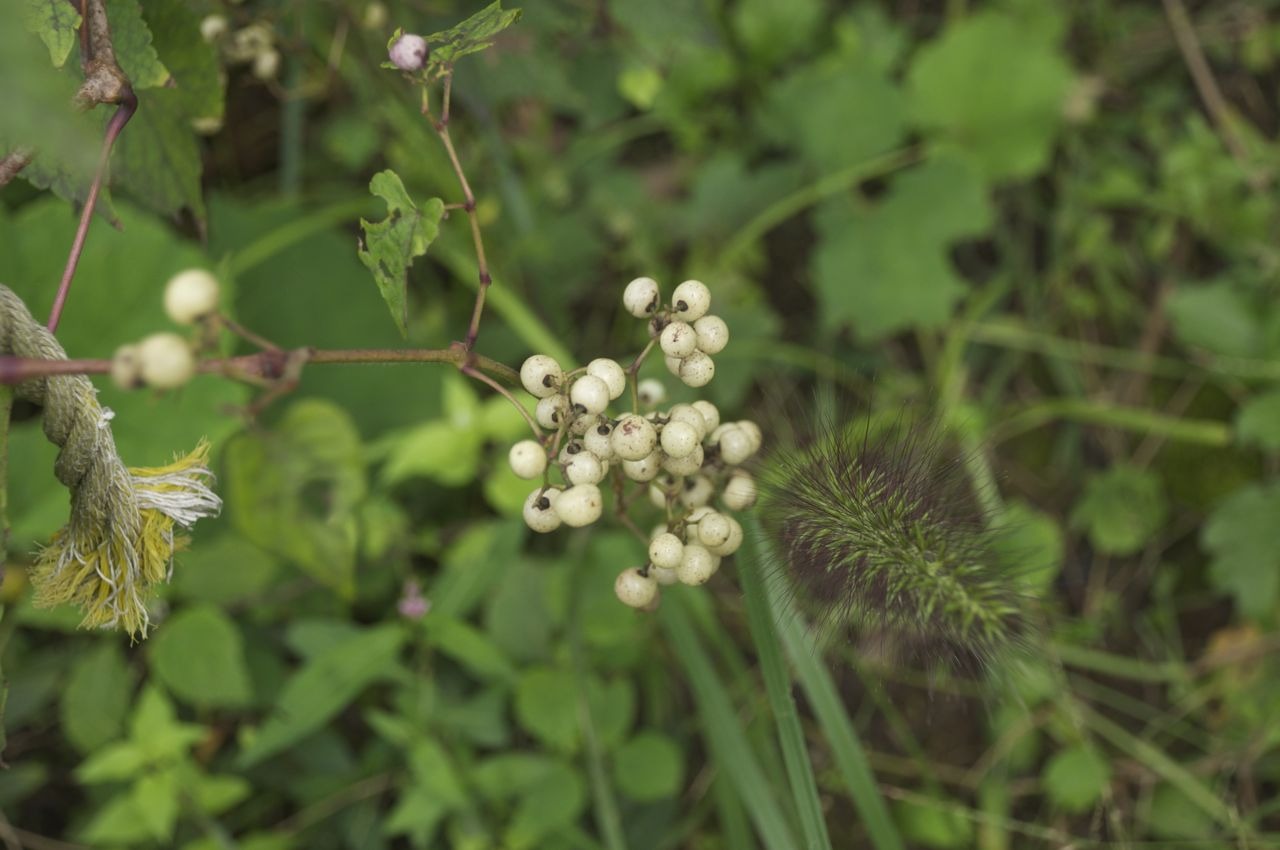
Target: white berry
x,y
611,373
710,414
664,576
584,468
714,530
687,465
735,446
740,492
266,64
541,375
589,395
409,52
580,505
540,510
665,551
645,469
691,300
697,369
733,542
528,459
126,367
690,415
166,361
672,364
212,27
679,439
697,564
551,411
678,339
635,589
641,297
651,392
697,491
713,334
634,437
190,296
598,440
753,432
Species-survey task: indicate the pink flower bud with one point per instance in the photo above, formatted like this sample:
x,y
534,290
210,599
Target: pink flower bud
x,y
409,53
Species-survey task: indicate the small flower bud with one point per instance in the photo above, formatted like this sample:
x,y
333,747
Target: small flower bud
x,y
409,52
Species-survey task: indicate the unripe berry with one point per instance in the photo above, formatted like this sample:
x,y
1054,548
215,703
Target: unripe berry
x,y
665,551
580,505
641,297
691,300
598,439
551,411
589,395
740,492
714,530
266,64
710,415
689,414
651,391
166,361
409,52
735,446
645,469
734,540
126,367
634,437
635,589
679,439
687,465
713,334
697,491
697,369
696,565
213,27
611,373
540,510
528,459
678,339
541,376
190,296
584,468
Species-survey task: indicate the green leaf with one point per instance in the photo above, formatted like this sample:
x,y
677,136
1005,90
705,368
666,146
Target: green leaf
x,y
992,90
57,23
96,697
131,39
931,825
1030,542
390,246
517,616
649,767
501,777
1121,509
192,61
1215,317
112,763
294,491
552,804
1244,538
887,269
613,709
1258,422
547,707
323,687
772,30
471,36
223,569
470,647
155,728
157,160
198,654
117,822
155,797
216,794
1076,778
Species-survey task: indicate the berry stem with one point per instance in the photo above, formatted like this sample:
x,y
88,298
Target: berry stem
x,y
633,369
441,126
128,106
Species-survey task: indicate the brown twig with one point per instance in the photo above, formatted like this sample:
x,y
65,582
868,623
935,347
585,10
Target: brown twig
x,y
128,105
441,126
13,163
104,82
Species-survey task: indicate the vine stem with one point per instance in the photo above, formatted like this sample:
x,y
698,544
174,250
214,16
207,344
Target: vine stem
x,y
128,106
472,372
441,126
273,363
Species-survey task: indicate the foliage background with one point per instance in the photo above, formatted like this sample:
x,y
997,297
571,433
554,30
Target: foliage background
x,y
1018,215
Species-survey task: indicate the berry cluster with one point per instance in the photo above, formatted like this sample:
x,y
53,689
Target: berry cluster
x,y
166,360
683,455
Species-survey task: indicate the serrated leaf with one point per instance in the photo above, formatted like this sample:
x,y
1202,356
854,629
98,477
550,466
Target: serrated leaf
x,y
390,246
96,697
57,23
131,39
471,36
155,797
992,90
1244,538
199,656
323,687
157,159
888,269
192,61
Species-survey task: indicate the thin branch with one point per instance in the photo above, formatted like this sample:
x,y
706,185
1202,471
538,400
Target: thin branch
x,y
104,82
441,126
128,105
13,163
472,372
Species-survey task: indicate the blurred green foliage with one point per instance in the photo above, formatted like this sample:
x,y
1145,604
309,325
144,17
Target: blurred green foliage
x,y
1024,218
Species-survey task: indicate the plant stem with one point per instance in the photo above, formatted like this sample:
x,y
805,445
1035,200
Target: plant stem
x,y
128,105
1205,432
472,372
